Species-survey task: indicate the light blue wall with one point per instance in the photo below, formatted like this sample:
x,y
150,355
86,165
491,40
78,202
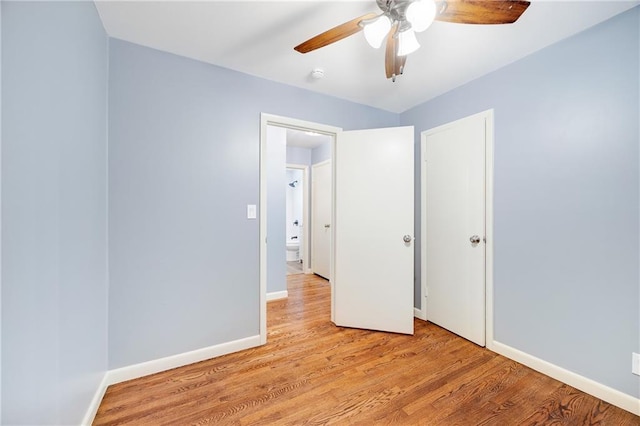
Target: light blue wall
x,y
298,155
321,153
54,211
277,151
183,164
566,198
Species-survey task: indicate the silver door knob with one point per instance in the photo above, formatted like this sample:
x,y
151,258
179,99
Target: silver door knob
x,y
407,238
327,225
474,239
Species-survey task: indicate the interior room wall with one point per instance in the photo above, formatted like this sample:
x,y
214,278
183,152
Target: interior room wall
x,y
321,153
183,164
566,279
298,155
276,208
54,210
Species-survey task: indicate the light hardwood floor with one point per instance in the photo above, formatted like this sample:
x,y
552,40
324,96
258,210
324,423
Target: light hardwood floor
x,y
312,372
294,267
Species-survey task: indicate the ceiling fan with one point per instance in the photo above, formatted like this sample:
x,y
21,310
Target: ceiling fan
x,y
401,19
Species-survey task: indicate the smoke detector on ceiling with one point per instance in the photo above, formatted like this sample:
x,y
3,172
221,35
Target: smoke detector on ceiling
x,y
317,73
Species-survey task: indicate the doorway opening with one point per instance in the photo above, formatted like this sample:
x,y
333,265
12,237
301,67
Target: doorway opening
x,y
297,144
296,218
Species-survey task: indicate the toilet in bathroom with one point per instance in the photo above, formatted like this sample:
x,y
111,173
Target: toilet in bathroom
x,y
293,250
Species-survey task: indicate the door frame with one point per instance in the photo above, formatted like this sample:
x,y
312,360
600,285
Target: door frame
x,y
313,202
488,156
304,248
288,123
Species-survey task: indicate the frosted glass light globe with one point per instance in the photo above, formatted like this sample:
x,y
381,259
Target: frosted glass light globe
x,y
376,31
408,42
421,14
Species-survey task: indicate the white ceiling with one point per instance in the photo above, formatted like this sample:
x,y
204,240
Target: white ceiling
x,y
257,38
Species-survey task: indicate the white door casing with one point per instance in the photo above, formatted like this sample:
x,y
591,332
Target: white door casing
x,y
373,271
454,183
321,207
292,123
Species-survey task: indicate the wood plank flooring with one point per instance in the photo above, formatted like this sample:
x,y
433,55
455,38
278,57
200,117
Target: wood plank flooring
x,y
294,267
313,373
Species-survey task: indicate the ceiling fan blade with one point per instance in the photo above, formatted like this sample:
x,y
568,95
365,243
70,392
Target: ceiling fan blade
x,y
393,64
391,53
333,35
400,62
482,11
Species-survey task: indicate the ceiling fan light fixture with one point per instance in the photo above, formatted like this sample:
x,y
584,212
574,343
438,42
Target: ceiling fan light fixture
x,y
377,30
407,42
421,14
411,16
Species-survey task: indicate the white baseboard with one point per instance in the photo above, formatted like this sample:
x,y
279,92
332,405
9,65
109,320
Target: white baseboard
x,y
135,371
419,313
95,402
275,295
150,367
610,395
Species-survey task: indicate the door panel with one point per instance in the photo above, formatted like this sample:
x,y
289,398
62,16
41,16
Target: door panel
x,y
374,210
321,219
454,191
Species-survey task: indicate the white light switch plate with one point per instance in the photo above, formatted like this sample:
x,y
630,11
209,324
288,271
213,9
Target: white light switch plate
x,y
635,363
251,211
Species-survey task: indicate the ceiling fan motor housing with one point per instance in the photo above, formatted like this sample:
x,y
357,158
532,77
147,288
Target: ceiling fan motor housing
x,y
396,10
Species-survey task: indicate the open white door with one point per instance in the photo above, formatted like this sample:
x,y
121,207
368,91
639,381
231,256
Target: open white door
x,y
321,219
373,275
454,225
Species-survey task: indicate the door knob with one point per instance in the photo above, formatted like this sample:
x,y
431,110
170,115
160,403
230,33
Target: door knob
x,y
474,239
327,225
407,238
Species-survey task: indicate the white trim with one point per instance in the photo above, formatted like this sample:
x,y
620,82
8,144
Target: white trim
x,y
305,248
275,295
332,251
488,227
420,314
423,225
90,415
489,187
167,363
163,364
610,395
290,123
